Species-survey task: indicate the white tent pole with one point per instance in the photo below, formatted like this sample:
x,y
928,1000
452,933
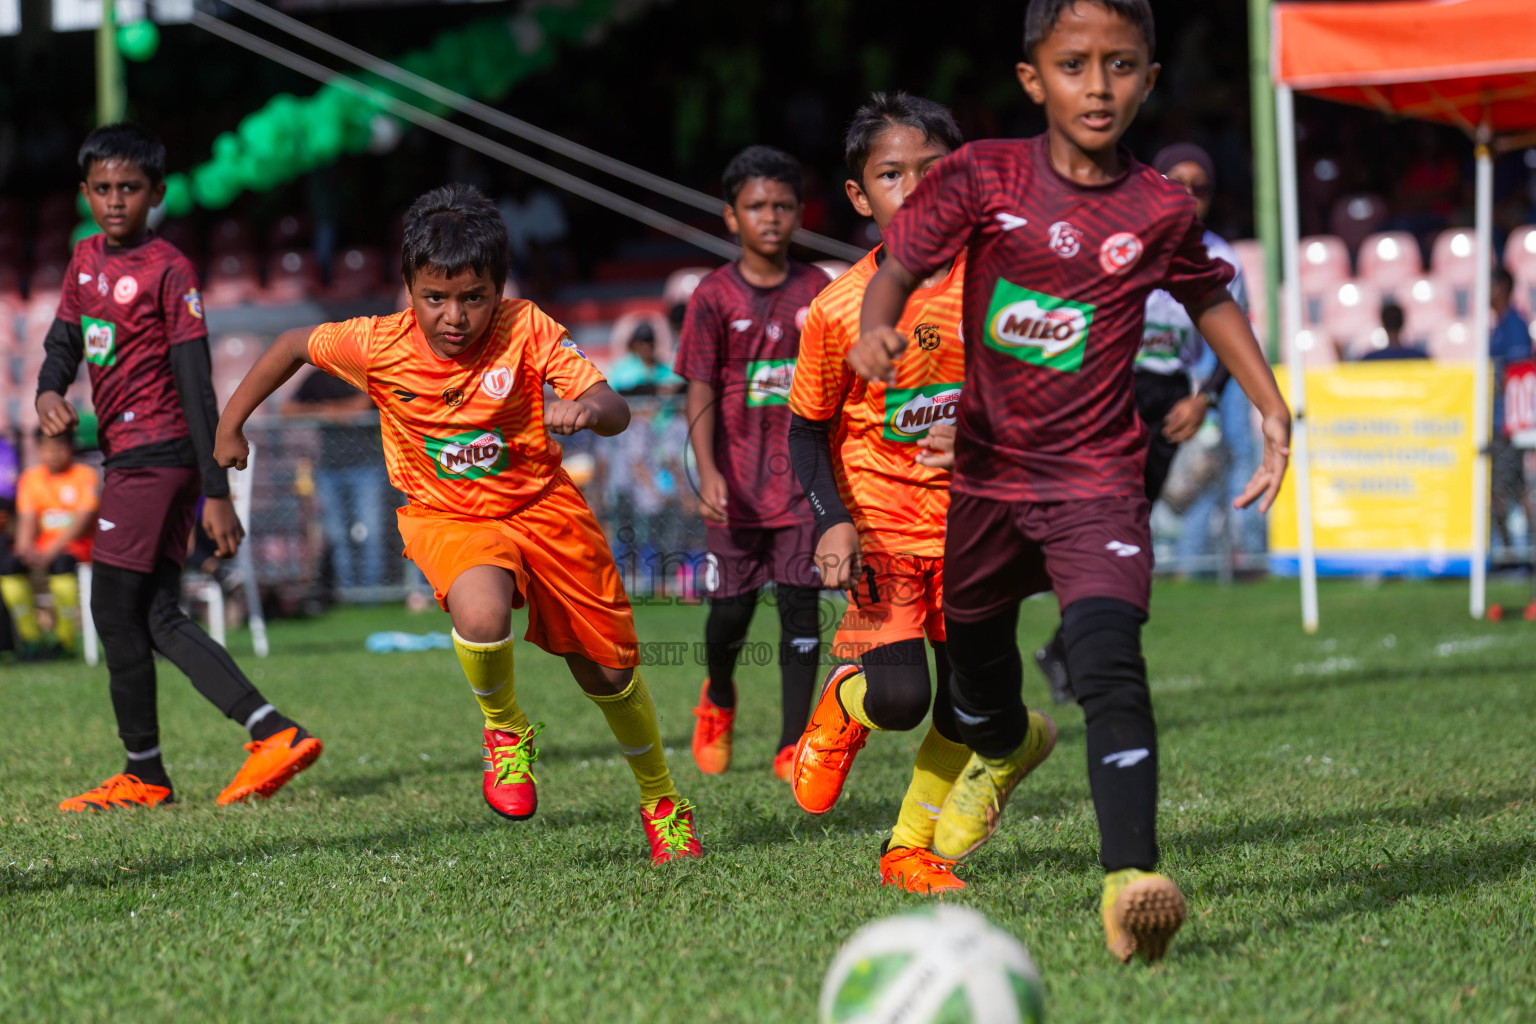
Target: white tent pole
x,y
1301,463
1481,322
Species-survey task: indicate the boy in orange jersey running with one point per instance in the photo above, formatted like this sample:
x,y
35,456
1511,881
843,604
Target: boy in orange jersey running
x,y
868,457
493,520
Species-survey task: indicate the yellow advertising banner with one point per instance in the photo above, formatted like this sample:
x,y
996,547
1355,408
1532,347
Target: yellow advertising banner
x,y
1392,452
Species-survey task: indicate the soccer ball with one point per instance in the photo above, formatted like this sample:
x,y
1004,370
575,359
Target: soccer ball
x,y
947,965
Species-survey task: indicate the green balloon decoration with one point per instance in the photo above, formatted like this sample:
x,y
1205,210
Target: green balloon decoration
x,y
292,135
138,40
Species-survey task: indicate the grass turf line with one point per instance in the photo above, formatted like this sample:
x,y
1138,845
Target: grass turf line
x,y
1351,816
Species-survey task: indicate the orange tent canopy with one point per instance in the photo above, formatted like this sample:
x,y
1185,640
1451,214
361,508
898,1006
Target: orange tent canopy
x,y
1450,61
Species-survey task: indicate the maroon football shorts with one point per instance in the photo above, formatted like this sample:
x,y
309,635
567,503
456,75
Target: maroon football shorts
x,y
996,553
146,515
744,559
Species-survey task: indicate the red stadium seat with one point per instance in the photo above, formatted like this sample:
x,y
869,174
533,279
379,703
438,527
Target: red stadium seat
x,y
231,235
624,326
1427,309
1352,319
358,273
681,283
50,247
290,232
10,284
1453,262
1324,266
182,233
232,280
57,213
44,284
1250,255
1451,342
1520,261
1354,217
1390,261
292,277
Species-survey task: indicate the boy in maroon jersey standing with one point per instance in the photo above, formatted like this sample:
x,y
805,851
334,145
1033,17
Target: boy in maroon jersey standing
x,y
131,308
1066,233
737,351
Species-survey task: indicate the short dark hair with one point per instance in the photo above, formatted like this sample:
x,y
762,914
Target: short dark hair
x,y
762,162
1503,277
1042,15
125,141
452,229
68,437
887,110
1391,316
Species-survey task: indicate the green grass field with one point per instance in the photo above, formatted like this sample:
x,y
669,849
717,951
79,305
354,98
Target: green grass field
x,y
1352,816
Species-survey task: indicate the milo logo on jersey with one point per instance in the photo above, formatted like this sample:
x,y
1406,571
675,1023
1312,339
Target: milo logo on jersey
x,y
468,456
100,341
910,412
768,381
1037,328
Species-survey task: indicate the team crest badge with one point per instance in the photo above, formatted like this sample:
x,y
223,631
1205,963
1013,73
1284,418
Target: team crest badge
x,y
927,337
774,331
194,301
1120,252
497,382
453,398
125,289
1065,240
800,315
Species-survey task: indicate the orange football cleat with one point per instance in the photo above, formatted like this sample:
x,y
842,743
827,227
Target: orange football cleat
x,y
712,734
784,764
825,752
918,870
119,791
272,763
669,830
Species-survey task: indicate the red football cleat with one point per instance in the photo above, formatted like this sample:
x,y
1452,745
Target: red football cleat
x,y
712,734
669,830
509,784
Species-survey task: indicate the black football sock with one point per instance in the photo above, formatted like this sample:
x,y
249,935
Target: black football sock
x,y
120,601
799,654
724,632
987,676
1103,640
212,671
944,694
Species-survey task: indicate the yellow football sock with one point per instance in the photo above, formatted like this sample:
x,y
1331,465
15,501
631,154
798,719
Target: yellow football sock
x,y
939,763
632,717
65,589
488,667
17,591
851,693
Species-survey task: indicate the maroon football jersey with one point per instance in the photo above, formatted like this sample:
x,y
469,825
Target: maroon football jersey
x,y
132,304
1056,287
742,341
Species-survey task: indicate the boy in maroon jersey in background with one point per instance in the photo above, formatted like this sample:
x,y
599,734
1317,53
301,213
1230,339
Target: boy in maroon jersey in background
x,y
131,308
1066,233
737,351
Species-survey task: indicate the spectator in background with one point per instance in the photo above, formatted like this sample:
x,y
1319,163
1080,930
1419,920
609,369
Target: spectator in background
x,y
1396,348
639,372
56,503
351,480
1510,341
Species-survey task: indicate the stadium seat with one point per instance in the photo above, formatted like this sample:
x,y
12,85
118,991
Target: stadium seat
x,y
358,273
1352,319
57,213
1520,261
1324,266
1250,255
232,234
10,283
1354,217
232,356
1453,263
834,268
624,326
1427,310
292,277
232,280
290,232
1316,349
1451,342
1390,260
681,283
182,233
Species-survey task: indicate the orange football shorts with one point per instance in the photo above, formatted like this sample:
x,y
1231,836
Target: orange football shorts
x,y
901,597
560,559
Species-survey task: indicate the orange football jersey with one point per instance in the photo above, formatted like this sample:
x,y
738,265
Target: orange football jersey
x,y
59,501
463,435
897,504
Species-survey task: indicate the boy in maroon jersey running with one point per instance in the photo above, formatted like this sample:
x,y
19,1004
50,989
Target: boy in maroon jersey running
x,y
131,308
737,350
1066,233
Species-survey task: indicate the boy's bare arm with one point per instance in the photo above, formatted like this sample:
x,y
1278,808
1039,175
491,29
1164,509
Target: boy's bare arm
x,y
700,409
1225,328
873,356
598,409
279,362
